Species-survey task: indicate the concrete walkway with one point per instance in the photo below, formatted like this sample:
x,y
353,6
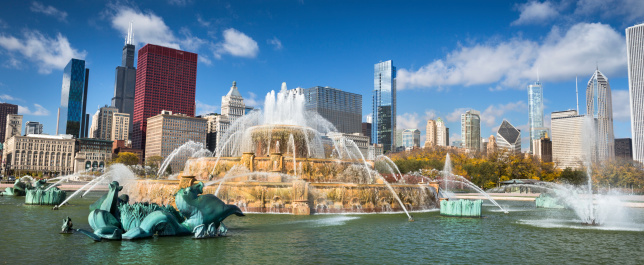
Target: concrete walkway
x,y
631,201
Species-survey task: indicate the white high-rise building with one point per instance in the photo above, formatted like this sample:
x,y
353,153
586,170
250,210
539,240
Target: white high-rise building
x,y
635,55
567,141
442,133
232,104
600,106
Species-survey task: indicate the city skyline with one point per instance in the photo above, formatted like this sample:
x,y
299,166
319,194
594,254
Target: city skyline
x,y
444,68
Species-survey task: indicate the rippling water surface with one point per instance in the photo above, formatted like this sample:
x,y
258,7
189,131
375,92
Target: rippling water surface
x,y
29,234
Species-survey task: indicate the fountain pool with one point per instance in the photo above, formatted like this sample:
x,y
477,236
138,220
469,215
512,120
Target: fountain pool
x,y
521,237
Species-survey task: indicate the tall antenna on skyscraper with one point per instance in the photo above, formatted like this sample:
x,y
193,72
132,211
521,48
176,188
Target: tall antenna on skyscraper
x,y
129,34
577,94
537,73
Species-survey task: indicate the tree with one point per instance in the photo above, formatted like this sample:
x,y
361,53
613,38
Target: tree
x,y
126,158
154,161
168,170
574,177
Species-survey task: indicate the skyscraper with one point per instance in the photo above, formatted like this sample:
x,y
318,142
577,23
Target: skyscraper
x,y
411,138
599,105
73,100
125,80
6,109
442,133
343,109
120,127
165,80
567,142
509,137
431,134
624,148
178,127
102,123
384,105
635,54
535,113
471,130
232,104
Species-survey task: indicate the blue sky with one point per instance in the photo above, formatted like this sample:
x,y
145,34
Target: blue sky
x,y
451,55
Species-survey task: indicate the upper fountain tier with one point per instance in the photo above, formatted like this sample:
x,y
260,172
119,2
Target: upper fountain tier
x,y
287,107
284,114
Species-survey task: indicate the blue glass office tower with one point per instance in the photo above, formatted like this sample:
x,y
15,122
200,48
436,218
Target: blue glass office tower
x,y
71,113
535,113
383,129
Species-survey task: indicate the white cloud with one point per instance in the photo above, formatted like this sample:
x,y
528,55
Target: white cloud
x,y
490,114
179,2
39,110
628,10
48,10
14,63
190,42
621,105
408,121
456,115
146,27
430,114
204,59
252,101
202,21
513,62
275,42
5,97
535,12
236,43
47,53
203,108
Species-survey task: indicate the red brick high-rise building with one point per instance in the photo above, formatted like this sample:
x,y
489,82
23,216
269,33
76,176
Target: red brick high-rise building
x,y
165,80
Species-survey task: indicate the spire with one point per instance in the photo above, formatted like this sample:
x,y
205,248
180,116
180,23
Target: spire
x,y
577,94
128,40
537,74
233,90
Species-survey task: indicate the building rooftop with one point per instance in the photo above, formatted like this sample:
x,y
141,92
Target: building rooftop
x,y
233,91
509,132
56,137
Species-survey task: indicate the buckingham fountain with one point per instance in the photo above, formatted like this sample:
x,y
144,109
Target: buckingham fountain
x,y
280,160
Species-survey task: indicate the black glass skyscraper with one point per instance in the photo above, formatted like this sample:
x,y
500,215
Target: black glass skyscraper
x,y
125,80
73,96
